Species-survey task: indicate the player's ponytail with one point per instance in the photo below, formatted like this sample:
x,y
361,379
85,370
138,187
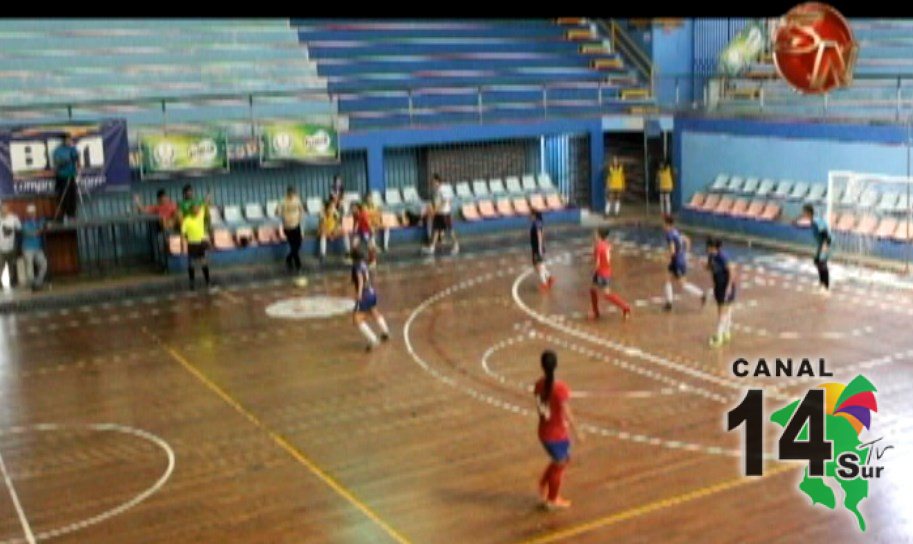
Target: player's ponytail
x,y
549,363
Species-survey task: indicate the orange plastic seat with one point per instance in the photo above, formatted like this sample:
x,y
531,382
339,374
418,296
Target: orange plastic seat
x,y
886,228
389,221
521,206
697,200
710,203
845,222
487,209
901,234
739,208
867,225
470,212
724,206
266,234
553,200
222,240
175,245
504,208
348,224
537,203
771,211
755,209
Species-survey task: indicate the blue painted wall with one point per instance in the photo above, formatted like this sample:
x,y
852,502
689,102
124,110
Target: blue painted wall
x,y
672,51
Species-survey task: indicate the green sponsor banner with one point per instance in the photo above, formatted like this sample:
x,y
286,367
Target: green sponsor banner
x,y
183,152
300,142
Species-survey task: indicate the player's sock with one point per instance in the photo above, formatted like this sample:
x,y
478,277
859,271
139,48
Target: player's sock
x,y
554,485
206,273
721,326
347,243
617,206
192,273
386,239
382,323
618,301
668,290
728,320
543,274
367,332
825,276
594,302
692,289
323,246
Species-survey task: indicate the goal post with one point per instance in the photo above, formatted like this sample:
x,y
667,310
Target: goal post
x,y
870,214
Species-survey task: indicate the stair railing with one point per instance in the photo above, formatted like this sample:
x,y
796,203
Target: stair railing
x,y
623,43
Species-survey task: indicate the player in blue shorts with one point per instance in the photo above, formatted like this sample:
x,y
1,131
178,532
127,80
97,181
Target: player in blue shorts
x,y
366,301
724,290
678,245
823,242
537,244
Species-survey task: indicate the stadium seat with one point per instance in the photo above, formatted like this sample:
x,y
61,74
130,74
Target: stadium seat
x,y
553,201
503,207
816,193
447,191
513,185
313,206
497,187
710,203
765,187
739,208
222,240
253,212
389,221
176,245
867,225
735,184
376,197
799,192
750,186
850,196
272,210
348,198
348,224
720,183
267,234
903,233
771,211
470,212
545,183
480,188
887,203
724,206
521,206
233,217
215,216
903,202
464,192
393,198
411,196
755,209
887,227
868,198
529,184
487,209
845,222
697,201
783,189
537,203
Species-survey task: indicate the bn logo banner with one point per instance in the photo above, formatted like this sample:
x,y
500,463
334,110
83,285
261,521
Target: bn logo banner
x,y
26,164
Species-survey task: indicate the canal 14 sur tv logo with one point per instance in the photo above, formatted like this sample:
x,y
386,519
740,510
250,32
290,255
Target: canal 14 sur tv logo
x,y
825,428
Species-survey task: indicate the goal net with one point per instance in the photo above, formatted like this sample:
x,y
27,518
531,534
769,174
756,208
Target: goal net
x,y
870,215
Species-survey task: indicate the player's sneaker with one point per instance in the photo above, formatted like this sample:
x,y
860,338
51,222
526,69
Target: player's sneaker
x,y
626,314
667,307
558,504
716,341
727,337
551,281
455,249
384,337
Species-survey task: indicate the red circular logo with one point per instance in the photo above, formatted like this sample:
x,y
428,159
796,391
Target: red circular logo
x,y
814,49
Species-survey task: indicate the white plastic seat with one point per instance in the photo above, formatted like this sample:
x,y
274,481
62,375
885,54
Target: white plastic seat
x,y
215,217
783,189
720,182
529,184
800,189
313,205
868,198
410,195
887,203
447,191
253,211
903,202
765,187
393,197
497,187
271,207
545,182
513,185
232,215
735,184
463,191
480,188
750,186
816,193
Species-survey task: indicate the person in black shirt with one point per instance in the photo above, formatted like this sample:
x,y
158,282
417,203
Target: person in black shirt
x,y
537,244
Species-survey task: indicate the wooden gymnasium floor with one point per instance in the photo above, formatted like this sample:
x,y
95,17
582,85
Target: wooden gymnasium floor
x,y
283,430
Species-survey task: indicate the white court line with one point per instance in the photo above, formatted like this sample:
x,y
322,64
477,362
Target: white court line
x,y
26,528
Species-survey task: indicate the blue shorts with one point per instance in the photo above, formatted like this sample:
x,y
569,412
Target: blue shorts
x,y
720,295
559,451
368,301
601,281
365,237
678,268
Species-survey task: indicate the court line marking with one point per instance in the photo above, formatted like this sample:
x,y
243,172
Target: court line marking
x,y
281,442
117,510
655,506
26,528
497,402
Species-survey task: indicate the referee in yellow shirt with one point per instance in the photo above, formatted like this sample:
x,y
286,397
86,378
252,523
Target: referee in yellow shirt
x,y
666,184
615,186
193,229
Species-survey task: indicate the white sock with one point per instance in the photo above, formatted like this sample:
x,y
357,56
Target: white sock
x,y
367,332
382,323
692,289
323,246
721,326
617,206
728,318
608,207
669,292
386,239
348,244
543,274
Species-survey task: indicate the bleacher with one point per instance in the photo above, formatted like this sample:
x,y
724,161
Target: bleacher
x,y
883,74
865,213
414,72
205,69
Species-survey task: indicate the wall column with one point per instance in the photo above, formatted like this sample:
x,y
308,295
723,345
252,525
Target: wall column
x,y
376,180
597,158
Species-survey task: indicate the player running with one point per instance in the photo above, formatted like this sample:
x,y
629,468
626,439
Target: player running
x,y
724,290
554,418
678,245
364,233
602,275
537,241
366,302
823,240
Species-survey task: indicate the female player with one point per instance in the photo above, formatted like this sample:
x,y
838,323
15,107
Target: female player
x,y
724,290
615,186
331,227
664,176
823,242
366,301
374,212
537,241
364,232
602,275
554,418
678,244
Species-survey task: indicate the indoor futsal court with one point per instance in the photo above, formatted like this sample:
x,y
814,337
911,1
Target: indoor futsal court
x,y
248,416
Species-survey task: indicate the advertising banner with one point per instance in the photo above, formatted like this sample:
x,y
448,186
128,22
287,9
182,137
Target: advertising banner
x,y
182,152
298,142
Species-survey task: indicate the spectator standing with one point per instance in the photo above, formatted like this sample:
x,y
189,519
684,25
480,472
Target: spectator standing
x,y
10,229
36,262
665,188
615,186
66,170
193,229
164,208
443,219
291,211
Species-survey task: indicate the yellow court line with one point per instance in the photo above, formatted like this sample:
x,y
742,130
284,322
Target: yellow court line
x,y
281,442
651,507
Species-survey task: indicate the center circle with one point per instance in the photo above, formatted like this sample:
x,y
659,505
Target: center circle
x,y
312,307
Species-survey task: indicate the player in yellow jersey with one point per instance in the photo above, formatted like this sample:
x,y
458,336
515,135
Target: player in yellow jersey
x,y
193,229
664,178
615,186
330,227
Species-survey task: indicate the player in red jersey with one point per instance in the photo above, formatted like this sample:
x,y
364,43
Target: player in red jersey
x,y
602,275
554,419
364,232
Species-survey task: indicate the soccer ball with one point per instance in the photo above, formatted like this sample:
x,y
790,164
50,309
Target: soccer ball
x,y
301,282
814,49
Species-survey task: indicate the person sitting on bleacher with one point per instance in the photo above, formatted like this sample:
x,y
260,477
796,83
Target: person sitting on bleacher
x,y
331,227
374,212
